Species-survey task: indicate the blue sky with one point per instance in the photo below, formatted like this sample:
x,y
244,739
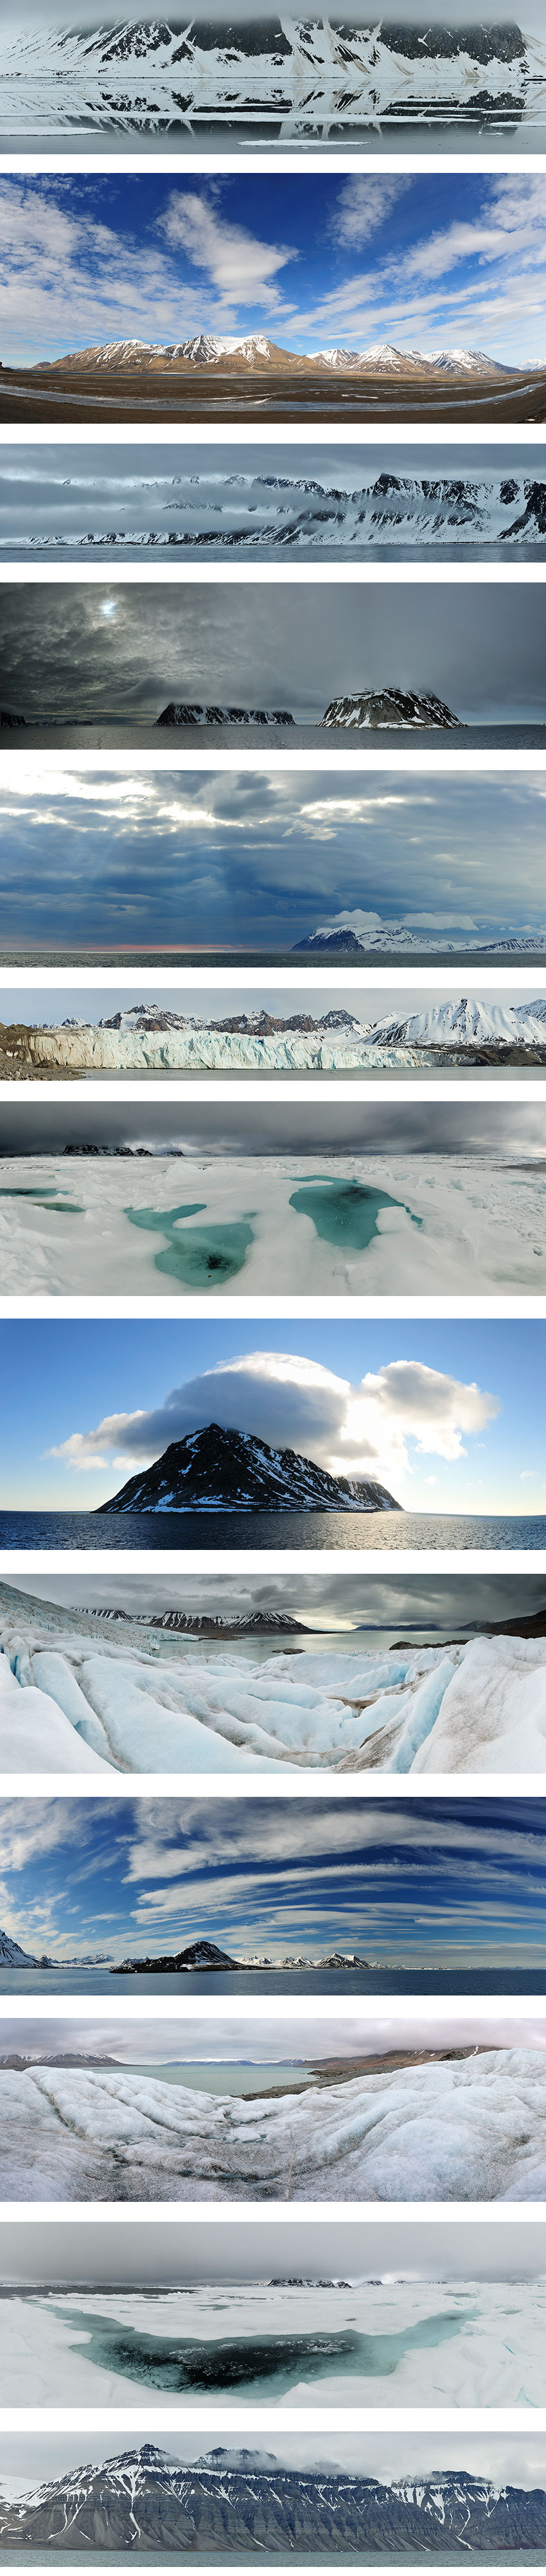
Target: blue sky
x,y
261,856
315,260
422,1879
450,1415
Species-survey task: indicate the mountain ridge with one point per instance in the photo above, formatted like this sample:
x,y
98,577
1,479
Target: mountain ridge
x,y
255,350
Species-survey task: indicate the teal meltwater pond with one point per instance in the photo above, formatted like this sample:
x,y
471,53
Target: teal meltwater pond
x,y
204,1255
255,2363
345,1211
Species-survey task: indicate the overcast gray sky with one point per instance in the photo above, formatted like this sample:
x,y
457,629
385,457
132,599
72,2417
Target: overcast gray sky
x,y
177,2250
519,2458
228,2037
455,1601
295,1125
72,651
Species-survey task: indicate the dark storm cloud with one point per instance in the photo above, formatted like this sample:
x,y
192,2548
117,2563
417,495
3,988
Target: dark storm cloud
x,y
257,856
289,1126
74,651
429,1601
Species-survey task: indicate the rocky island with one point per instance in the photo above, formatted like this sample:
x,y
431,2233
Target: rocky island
x,y
219,1470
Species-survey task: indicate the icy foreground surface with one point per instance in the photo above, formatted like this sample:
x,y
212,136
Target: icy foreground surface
x,y
298,77
67,1704
491,2355
166,1226
471,2130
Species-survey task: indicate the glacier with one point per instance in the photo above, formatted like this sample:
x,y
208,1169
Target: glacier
x,y
70,1704
470,2130
383,1225
146,1038
493,2355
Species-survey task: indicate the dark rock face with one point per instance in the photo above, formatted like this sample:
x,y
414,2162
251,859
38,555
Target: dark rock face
x,y
234,2504
375,707
10,723
344,942
217,1470
199,1623
179,714
532,520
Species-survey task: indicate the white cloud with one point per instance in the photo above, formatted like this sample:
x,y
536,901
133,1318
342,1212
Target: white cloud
x,y
296,1403
363,206
240,266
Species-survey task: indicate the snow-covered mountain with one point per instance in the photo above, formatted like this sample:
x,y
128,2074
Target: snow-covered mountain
x,y
233,2503
466,1023
373,708
256,351
382,359
179,714
204,349
217,1470
11,1955
348,934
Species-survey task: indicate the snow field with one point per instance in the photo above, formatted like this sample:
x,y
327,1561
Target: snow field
x,y
481,1226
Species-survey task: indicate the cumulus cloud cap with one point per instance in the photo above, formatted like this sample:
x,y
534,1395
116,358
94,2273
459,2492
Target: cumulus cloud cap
x,y
296,1403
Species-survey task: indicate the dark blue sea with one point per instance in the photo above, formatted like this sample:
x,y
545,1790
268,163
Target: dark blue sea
x,y
357,1531
276,1981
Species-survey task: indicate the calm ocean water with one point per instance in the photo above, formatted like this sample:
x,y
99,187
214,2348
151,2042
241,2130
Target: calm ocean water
x,y
64,552
233,955
357,1531
148,2558
288,1981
